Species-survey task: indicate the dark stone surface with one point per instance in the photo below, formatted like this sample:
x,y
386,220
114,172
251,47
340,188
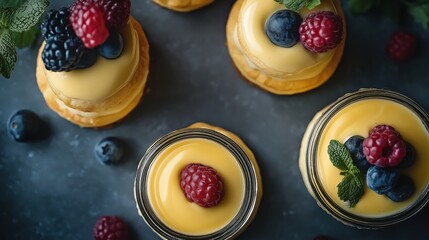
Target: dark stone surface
x,y
56,189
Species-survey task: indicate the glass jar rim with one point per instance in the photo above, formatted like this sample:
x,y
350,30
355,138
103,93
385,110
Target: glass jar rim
x,y
323,197
249,204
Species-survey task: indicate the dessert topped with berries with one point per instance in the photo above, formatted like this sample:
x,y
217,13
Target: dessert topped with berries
x,y
94,62
369,158
192,184
286,49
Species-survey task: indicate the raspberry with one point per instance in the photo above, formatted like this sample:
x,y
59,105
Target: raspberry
x,y
384,147
401,46
57,22
62,53
87,19
383,128
116,12
110,228
321,31
201,184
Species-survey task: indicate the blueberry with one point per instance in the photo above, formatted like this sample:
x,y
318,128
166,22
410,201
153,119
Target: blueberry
x,y
403,189
88,59
282,28
113,46
381,180
409,158
354,145
109,150
26,126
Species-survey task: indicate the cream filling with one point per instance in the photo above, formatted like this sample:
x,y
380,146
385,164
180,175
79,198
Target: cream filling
x,y
104,78
295,62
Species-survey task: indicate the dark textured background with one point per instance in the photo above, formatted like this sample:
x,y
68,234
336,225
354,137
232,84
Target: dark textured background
x,y
56,189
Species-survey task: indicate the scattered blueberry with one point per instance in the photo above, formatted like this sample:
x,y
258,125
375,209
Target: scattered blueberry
x,y
112,47
109,150
381,180
282,28
26,126
409,158
354,145
402,190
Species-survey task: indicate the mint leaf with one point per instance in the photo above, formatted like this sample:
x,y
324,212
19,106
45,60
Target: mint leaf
x,y
420,13
313,3
7,54
24,39
296,5
360,6
12,3
27,15
339,155
6,15
351,188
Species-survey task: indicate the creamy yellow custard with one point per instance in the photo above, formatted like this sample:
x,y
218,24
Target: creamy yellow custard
x,y
164,206
168,200
274,59
358,118
104,78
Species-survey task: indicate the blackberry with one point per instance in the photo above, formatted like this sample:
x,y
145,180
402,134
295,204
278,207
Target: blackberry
x,y
57,22
62,53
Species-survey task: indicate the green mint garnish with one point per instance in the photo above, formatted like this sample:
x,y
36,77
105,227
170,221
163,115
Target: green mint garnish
x,y
7,53
17,29
351,188
296,5
418,9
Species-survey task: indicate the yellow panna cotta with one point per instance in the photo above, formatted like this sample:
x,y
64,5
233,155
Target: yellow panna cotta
x,y
355,115
163,204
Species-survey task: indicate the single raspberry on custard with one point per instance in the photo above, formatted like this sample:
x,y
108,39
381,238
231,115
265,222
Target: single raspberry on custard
x,y
201,184
111,228
87,19
321,31
384,147
401,46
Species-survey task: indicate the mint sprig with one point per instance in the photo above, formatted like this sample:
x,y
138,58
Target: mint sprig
x,y
296,5
418,9
351,187
17,29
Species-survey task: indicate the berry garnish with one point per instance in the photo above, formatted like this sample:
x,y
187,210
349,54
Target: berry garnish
x,y
381,180
116,12
409,158
384,148
88,58
87,19
321,31
354,145
57,22
401,46
62,53
27,126
112,47
109,150
382,128
402,190
201,184
282,28
111,228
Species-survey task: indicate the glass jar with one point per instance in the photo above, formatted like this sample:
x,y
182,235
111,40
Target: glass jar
x,y
247,164
342,118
